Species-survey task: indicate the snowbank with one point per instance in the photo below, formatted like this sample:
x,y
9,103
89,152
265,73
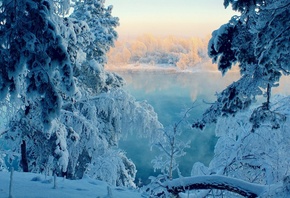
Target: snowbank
x,y
36,185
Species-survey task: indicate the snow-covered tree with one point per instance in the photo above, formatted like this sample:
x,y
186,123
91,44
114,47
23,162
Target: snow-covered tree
x,y
103,112
89,112
96,125
171,147
34,58
251,157
182,53
257,41
36,71
260,157
102,25
246,163
90,33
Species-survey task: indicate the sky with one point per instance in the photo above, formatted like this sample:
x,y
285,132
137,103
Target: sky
x,y
169,17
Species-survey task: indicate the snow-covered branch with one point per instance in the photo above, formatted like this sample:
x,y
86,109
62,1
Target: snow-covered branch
x,y
214,182
3,132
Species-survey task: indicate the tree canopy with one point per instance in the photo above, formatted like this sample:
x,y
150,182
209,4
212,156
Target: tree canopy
x,y
257,41
65,113
35,63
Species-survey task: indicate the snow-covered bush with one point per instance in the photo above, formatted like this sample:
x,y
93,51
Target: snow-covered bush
x,y
113,167
247,163
259,156
97,124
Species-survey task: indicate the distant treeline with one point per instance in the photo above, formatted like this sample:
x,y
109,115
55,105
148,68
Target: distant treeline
x,y
183,53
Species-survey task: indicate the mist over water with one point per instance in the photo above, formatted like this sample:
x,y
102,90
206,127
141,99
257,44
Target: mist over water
x,y
171,93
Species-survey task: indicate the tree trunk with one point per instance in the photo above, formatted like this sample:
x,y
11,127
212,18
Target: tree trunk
x,y
24,162
268,97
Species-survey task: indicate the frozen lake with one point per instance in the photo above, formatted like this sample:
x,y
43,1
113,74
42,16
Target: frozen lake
x,y
171,92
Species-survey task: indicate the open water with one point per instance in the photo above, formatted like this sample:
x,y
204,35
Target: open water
x,y
170,93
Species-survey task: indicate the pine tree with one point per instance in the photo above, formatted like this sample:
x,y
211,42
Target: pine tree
x,y
34,58
36,72
257,42
91,111
94,34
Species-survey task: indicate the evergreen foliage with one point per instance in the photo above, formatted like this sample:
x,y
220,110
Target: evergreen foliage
x,y
258,42
68,113
33,57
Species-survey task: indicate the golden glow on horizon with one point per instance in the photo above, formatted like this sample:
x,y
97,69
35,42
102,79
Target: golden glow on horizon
x,y
177,29
169,17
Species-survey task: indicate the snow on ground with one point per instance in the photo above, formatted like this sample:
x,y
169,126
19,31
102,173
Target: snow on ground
x,y
38,186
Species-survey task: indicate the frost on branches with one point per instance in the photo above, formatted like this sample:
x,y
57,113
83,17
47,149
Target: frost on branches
x,y
246,163
34,60
69,113
253,144
90,31
258,42
97,125
36,72
259,157
171,147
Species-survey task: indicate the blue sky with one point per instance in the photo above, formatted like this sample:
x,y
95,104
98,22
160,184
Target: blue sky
x,y
170,17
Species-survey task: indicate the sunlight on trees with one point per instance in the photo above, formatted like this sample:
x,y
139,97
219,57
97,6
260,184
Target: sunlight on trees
x,y
65,114
182,53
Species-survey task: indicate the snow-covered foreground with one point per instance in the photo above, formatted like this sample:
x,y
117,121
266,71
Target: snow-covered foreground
x,y
34,185
39,186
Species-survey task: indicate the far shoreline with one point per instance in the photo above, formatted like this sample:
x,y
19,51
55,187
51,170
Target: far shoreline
x,y
199,68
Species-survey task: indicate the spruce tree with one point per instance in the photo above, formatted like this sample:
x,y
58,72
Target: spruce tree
x,y
256,41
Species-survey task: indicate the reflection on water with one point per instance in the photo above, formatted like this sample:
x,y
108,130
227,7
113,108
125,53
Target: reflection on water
x,y
169,93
